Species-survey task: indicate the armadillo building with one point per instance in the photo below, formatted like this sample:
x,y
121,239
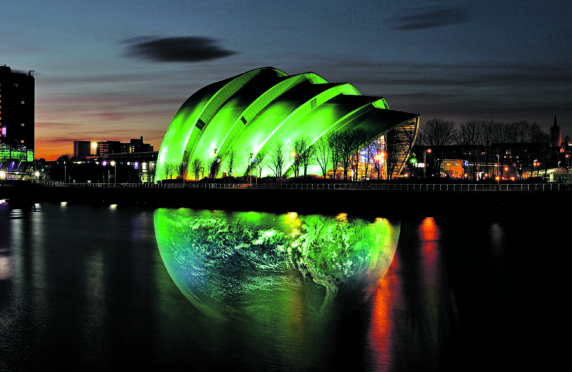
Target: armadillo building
x,y
233,122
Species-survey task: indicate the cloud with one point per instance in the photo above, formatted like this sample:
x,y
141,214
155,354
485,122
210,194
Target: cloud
x,y
433,19
176,49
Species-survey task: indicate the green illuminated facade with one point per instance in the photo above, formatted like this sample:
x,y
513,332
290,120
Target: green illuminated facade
x,y
16,116
250,114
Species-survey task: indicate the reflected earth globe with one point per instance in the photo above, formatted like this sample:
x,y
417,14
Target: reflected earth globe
x,y
274,267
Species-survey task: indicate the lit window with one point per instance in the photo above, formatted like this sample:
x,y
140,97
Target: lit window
x,y
22,141
22,102
23,125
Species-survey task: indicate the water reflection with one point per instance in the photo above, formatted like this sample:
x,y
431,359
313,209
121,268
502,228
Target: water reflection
x,y
86,288
273,267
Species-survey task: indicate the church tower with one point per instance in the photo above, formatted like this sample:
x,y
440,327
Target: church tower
x,y
555,134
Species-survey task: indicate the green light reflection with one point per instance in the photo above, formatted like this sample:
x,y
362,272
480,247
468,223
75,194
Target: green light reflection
x,y
249,265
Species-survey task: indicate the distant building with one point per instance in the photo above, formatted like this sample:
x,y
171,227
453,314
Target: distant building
x,y
137,145
555,134
81,149
115,147
108,147
16,115
103,149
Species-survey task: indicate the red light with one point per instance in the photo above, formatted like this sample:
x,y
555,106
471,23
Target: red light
x,y
429,230
429,151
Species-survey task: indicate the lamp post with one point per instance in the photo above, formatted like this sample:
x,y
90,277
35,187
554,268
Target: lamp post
x,y
114,171
427,151
567,168
296,163
380,161
250,168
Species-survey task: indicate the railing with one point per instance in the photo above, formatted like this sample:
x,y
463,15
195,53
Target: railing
x,y
326,186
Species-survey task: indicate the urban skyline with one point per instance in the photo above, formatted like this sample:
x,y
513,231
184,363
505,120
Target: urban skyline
x,y
111,71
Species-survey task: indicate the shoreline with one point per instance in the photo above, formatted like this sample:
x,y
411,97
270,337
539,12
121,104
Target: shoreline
x,y
305,201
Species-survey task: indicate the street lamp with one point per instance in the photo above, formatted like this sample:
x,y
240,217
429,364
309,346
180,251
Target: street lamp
x,y
296,163
115,171
428,151
249,168
380,158
413,162
567,168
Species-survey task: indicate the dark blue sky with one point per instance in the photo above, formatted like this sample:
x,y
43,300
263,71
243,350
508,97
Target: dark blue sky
x,y
119,69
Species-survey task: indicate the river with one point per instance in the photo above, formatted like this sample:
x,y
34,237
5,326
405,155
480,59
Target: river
x,y
87,288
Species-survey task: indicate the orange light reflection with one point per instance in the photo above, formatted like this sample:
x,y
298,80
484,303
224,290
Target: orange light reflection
x,y
386,300
429,231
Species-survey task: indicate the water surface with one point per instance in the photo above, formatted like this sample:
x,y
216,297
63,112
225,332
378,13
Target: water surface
x,y
85,288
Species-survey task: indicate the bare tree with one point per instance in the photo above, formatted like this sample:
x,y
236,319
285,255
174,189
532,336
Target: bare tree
x,y
277,159
259,163
322,153
231,156
213,167
349,143
370,151
437,133
471,135
300,146
171,170
334,140
196,166
359,139
248,154
305,153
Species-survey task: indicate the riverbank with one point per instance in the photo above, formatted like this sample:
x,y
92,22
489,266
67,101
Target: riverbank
x,y
358,201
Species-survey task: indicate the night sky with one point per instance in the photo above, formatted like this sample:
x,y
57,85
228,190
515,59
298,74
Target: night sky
x,y
120,69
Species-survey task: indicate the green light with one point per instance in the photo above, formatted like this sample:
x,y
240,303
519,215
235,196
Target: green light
x,y
15,153
252,265
251,113
413,160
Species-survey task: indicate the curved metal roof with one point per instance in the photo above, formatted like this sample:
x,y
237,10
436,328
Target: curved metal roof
x,y
250,113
